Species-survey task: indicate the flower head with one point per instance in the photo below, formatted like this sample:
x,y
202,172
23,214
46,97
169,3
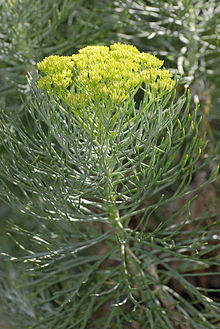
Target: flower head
x,y
102,74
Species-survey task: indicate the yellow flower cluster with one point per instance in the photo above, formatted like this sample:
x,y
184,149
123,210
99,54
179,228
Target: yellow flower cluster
x,y
103,74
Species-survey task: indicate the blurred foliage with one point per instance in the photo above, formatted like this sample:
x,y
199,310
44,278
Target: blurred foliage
x,y
186,34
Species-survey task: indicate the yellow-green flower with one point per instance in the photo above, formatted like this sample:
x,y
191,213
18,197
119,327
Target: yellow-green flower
x,y
101,74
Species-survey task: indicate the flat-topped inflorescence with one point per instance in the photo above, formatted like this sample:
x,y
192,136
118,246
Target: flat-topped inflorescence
x,y
107,75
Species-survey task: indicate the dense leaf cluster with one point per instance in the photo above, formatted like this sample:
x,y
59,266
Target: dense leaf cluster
x,y
83,191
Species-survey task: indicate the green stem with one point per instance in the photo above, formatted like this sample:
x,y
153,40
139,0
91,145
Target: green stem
x,y
129,260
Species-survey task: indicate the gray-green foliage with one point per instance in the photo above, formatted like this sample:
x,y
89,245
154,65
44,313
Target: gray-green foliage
x,y
86,267
29,31
69,261
186,34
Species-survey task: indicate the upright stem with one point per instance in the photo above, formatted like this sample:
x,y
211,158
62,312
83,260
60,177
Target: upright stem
x,y
129,260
